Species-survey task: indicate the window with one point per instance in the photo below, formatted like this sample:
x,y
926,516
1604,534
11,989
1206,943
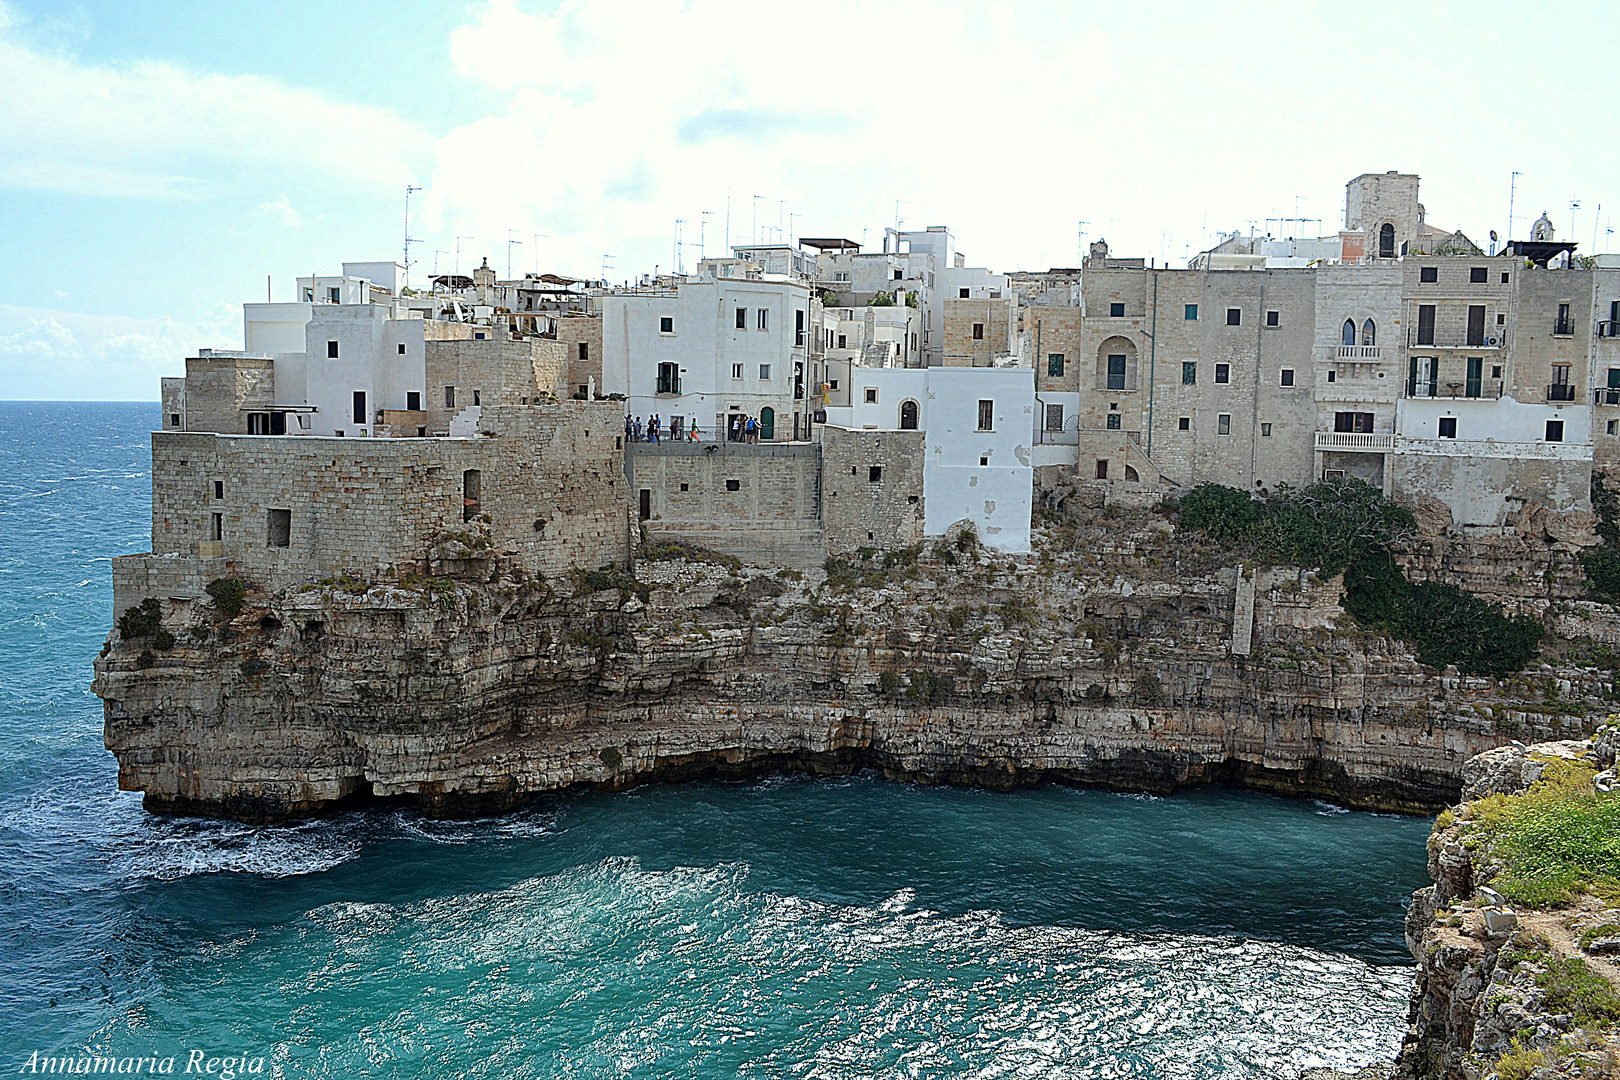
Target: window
x,y
1448,427
1360,423
584,350
832,384
978,331
871,395
359,406
1386,241
1234,316
1223,424
1116,371
1223,373
1496,371
174,419
684,487
1476,371
1501,318
1054,365
733,485
669,378
897,275
763,319
1189,373
479,336
1184,424
1478,275
1113,421
764,373
1333,376
798,327
1265,431
1191,312
736,371
1611,432
1476,324
402,348
984,460
1287,376
279,528
908,416
1116,311
1369,333
1563,325
1425,326
1102,469
219,491
742,318
334,294
258,423
963,294
666,325
1054,418
841,340
216,522
1555,431
331,350
478,397
449,397
1428,275
1273,318
413,400
987,415
874,473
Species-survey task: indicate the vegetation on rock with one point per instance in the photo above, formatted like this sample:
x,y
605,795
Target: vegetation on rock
x,y
1560,837
140,620
228,594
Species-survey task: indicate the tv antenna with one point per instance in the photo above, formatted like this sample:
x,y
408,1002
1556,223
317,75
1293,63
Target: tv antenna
x,y
408,240
459,239
509,243
1513,183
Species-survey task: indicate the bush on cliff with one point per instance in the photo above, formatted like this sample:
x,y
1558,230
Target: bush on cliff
x,y
1348,525
1602,562
228,594
1559,837
140,620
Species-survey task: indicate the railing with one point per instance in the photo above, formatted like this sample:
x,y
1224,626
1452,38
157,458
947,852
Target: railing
x,y
1361,352
1353,440
1561,392
1609,328
1563,327
1609,395
1414,340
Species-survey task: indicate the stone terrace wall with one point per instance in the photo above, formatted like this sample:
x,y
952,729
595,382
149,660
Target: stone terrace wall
x,y
771,518
858,511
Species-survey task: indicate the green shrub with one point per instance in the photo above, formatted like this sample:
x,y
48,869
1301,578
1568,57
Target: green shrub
x,y
609,577
611,757
1225,513
1557,838
1574,988
140,620
162,641
1331,525
927,688
968,538
146,659
889,683
253,666
228,594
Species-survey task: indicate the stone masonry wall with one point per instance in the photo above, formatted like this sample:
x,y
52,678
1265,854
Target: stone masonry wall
x,y
491,372
860,511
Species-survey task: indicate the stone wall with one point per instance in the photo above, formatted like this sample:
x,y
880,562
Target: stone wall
x,y
581,335
873,483
998,322
1055,331
221,390
758,502
491,372
546,482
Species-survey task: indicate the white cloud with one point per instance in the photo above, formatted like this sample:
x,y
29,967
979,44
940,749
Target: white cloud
x,y
47,354
152,129
280,209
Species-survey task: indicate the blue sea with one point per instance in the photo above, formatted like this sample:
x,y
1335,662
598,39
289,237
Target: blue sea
x,y
785,927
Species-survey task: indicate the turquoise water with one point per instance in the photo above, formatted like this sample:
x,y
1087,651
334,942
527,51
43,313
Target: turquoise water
x,y
779,928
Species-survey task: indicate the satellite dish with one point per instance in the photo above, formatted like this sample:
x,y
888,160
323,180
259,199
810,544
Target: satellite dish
x,y
1493,236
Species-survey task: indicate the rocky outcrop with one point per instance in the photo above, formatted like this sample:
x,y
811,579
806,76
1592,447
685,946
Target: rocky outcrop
x,y
1487,999
1105,659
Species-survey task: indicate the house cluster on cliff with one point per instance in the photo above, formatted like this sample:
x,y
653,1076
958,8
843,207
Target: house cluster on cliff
x,y
817,397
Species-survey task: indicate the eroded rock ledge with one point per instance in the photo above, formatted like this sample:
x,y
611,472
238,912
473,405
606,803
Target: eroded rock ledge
x,y
1109,662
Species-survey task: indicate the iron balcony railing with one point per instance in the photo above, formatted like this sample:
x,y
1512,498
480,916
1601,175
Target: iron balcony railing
x,y
1606,395
1561,392
1609,328
1563,327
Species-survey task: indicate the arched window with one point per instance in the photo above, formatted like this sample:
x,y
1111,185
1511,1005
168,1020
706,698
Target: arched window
x,y
1386,241
1348,335
908,416
1369,333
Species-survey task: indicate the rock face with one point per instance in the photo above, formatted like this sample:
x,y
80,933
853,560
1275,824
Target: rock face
x,y
1480,992
1115,662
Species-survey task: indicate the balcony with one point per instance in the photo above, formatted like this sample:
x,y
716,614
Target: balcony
x,y
1606,395
1563,328
1354,440
1609,328
1561,392
1414,339
1360,352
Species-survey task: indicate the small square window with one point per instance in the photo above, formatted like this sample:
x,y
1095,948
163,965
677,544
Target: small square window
x,y
832,384
1113,421
978,331
1501,318
666,325
841,339
1116,311
1184,424
1333,376
963,294
1287,376
1478,275
1223,424
402,348
984,461
764,373
1448,427
733,485
870,395
1428,274
1189,373
331,350
1191,312
1265,431
413,400
1496,371
874,473
1504,278
1273,318
478,336
1223,373
1555,431
684,487
174,419
1234,316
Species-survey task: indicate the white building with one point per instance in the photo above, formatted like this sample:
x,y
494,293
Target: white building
x,y
712,351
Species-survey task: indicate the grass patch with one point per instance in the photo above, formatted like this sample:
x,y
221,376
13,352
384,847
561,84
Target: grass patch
x,y
1558,838
1574,988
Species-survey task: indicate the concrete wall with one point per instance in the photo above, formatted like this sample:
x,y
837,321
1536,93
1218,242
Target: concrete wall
x,y
859,510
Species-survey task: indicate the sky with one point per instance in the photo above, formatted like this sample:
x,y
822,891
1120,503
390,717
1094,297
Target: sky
x,y
162,163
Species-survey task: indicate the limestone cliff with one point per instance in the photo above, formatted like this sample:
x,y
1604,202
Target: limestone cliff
x,y
1120,654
